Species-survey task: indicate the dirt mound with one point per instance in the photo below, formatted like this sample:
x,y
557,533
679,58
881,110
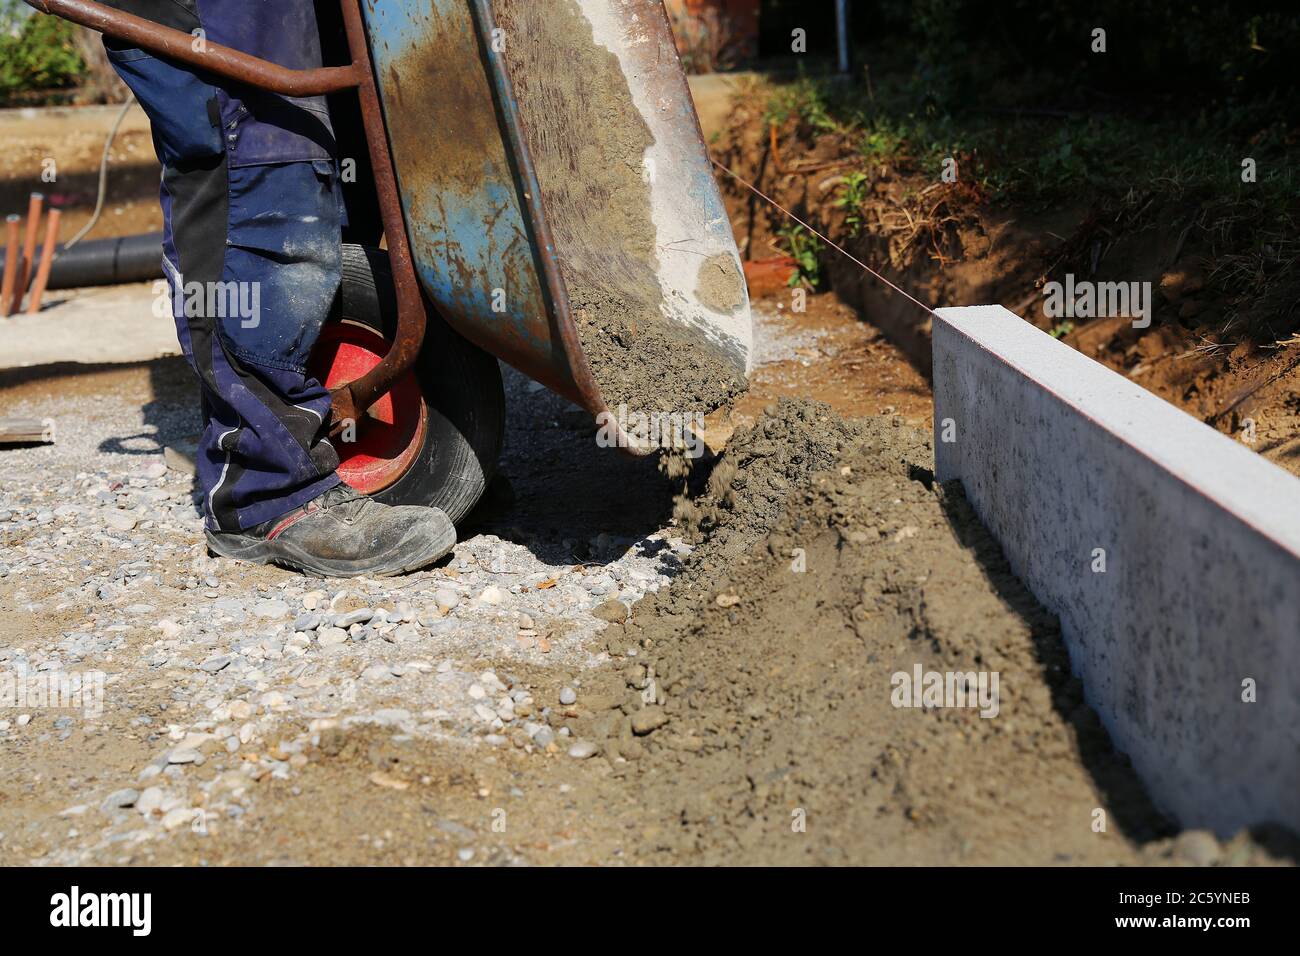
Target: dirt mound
x,y
746,490
760,713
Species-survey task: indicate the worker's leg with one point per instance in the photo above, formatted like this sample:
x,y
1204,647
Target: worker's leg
x,y
253,258
252,251
252,255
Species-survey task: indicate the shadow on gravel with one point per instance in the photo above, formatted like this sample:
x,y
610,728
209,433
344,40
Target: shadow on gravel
x,y
559,494
170,411
171,417
170,414
556,493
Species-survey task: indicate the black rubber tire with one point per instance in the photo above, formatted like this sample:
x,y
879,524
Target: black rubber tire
x,y
463,395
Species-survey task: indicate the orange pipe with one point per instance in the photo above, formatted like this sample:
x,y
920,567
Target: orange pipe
x,y
47,259
29,250
11,261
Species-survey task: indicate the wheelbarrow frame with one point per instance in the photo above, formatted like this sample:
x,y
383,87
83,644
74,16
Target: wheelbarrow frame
x,y
350,401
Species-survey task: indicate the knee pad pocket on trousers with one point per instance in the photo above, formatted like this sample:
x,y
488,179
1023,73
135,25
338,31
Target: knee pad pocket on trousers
x,y
283,261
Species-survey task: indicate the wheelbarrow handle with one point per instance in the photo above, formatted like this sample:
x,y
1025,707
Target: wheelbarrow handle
x,y
187,48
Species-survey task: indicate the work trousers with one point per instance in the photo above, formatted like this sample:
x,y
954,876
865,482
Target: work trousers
x,y
252,215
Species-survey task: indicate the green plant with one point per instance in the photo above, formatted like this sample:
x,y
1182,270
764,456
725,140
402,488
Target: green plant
x,y
1062,329
853,193
805,249
807,99
882,143
37,51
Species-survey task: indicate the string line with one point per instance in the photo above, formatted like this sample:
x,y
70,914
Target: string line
x,y
834,245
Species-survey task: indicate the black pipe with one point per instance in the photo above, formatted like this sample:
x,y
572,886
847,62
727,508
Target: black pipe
x,y
105,262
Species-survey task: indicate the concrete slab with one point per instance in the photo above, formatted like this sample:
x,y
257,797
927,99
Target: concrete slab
x,y
104,324
1188,642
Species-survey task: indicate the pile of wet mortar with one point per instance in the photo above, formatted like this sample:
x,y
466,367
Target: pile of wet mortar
x,y
757,713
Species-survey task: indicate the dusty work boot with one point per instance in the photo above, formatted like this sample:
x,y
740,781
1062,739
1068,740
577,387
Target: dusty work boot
x,y
343,534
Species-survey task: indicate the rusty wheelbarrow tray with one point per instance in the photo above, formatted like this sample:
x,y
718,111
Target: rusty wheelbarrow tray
x,y
476,128
456,176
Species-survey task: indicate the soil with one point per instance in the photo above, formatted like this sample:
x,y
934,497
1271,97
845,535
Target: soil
x,y
774,673
73,139
588,141
1223,357
838,359
744,715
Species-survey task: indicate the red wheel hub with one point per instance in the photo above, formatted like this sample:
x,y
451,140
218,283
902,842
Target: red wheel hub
x,y
389,435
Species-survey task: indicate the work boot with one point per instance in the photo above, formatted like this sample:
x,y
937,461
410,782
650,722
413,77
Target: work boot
x,y
342,534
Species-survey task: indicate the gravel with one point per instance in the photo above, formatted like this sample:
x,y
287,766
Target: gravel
x,y
120,799
220,677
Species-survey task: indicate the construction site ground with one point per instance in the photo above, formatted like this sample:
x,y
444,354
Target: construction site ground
x,y
613,666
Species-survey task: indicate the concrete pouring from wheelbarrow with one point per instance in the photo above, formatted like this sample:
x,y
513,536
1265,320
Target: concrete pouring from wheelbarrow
x,y
642,238
1170,552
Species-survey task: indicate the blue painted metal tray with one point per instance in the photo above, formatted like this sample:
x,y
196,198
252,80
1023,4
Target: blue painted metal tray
x,y
481,236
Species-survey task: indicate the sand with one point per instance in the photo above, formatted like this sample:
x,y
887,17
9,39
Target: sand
x,y
588,142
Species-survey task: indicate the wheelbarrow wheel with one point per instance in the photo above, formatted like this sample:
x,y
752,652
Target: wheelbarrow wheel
x,y
435,438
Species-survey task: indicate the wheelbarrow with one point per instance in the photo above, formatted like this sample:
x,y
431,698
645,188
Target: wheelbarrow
x,y
517,150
